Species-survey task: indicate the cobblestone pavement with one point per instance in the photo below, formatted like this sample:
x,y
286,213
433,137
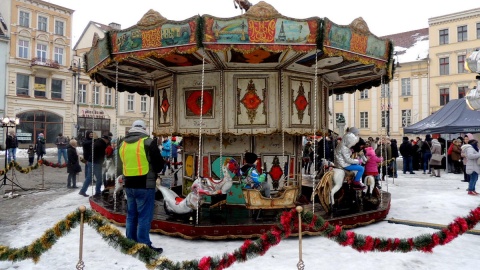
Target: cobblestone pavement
x,y
41,185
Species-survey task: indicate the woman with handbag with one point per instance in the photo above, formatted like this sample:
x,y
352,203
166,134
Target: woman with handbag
x,y
73,166
436,159
473,167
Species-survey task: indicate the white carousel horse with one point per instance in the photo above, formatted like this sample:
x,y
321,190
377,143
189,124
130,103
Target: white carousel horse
x,y
109,169
173,203
332,182
201,187
222,186
370,183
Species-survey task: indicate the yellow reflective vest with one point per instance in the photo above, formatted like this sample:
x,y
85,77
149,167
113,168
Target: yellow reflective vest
x,y
134,158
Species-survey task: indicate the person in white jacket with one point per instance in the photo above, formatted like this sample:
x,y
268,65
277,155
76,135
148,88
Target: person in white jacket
x,y
344,160
472,168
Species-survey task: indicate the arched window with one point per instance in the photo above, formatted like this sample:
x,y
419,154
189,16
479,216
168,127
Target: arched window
x,y
33,123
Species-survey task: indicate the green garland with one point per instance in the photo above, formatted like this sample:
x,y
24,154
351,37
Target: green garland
x,y
19,168
109,233
249,250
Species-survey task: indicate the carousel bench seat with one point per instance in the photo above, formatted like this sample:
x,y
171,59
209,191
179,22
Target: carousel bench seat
x,y
255,200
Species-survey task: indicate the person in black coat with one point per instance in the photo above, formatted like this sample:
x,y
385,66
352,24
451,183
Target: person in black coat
x,y
73,166
40,146
395,155
406,150
11,144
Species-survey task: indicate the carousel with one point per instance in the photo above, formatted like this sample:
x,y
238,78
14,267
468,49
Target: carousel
x,y
256,83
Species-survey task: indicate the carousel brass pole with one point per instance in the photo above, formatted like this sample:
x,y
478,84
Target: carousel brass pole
x,y
300,264
81,264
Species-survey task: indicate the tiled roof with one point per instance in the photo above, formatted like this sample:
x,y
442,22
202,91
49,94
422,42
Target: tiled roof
x,y
103,27
3,27
408,39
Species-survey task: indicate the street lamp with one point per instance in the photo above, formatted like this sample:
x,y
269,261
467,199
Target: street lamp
x,y
341,125
75,68
7,123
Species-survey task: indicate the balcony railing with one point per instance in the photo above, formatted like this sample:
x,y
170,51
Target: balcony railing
x,y
45,63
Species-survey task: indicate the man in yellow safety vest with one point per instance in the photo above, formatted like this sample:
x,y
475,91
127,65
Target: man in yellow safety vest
x,y
140,162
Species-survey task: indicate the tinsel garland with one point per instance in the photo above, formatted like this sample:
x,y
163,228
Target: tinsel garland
x,y
250,248
51,164
19,168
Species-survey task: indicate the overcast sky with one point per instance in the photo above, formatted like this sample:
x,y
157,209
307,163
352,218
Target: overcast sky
x,y
382,17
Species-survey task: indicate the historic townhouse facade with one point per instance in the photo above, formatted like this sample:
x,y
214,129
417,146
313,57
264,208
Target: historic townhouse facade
x,y
429,71
38,82
4,45
130,106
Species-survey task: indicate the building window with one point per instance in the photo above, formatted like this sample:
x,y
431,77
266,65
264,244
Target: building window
x,y
87,122
462,33
462,91
478,30
59,55
444,66
57,89
444,96
24,19
406,87
96,95
406,118
59,25
364,94
385,91
385,116
40,87
108,97
35,122
443,36
339,97
42,23
363,119
42,52
82,93
23,47
130,102
23,84
143,104
461,64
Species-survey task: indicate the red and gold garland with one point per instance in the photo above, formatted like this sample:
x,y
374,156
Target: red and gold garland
x,y
51,164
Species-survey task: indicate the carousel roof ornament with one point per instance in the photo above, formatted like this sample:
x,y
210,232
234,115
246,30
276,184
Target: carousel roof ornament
x,y
262,10
472,64
348,57
151,18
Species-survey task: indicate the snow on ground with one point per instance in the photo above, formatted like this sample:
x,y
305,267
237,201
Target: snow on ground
x,y
414,197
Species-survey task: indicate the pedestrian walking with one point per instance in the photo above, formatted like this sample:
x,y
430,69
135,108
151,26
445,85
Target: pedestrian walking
x,y
11,144
73,165
472,168
40,146
31,155
62,143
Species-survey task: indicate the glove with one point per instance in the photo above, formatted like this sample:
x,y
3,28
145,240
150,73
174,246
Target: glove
x,y
360,161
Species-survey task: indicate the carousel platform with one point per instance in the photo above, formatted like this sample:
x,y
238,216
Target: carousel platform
x,y
231,221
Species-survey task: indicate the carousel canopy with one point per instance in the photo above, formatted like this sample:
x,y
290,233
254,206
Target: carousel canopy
x,y
347,57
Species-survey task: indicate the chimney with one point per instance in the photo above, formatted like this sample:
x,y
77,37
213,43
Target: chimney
x,y
115,26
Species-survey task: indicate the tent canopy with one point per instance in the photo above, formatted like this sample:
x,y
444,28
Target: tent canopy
x,y
454,117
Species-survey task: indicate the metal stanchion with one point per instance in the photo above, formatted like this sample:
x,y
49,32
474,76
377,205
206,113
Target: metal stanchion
x,y
81,264
43,176
300,264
